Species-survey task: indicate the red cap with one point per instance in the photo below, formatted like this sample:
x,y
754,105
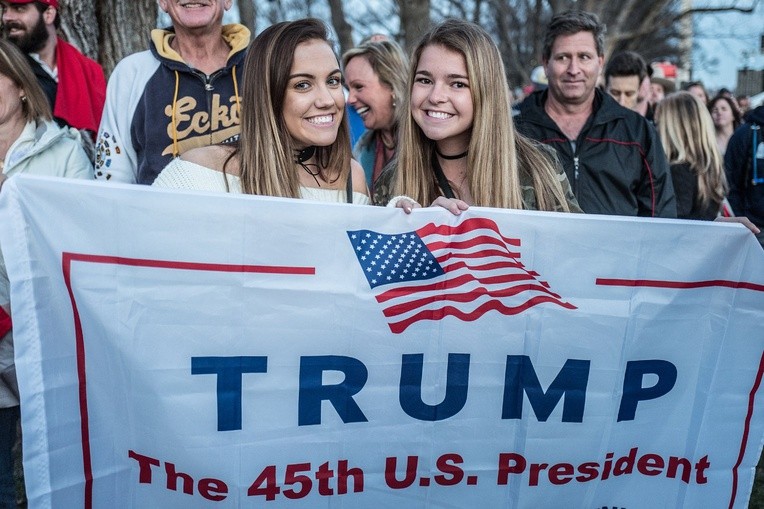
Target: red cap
x,y
52,3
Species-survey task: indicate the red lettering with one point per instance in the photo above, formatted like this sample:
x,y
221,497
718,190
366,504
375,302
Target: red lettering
x,y
144,466
673,466
323,476
510,463
650,464
213,489
391,465
561,473
589,471
701,467
265,484
447,464
343,472
173,476
536,469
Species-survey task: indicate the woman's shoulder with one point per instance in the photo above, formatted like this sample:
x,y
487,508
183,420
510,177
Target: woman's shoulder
x,y
359,178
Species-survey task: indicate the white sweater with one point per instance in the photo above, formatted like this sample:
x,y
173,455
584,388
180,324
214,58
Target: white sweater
x,y
181,174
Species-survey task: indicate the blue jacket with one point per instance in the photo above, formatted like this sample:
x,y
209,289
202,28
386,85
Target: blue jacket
x,y
745,196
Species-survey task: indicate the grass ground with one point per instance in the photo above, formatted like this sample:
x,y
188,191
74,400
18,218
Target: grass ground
x,y
757,495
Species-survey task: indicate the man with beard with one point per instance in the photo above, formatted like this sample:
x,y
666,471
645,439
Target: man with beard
x,y
74,84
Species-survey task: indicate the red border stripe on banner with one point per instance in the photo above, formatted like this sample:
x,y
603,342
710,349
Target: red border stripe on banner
x,y
746,429
689,285
66,262
680,285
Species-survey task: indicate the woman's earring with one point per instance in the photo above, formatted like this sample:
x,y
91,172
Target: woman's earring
x,y
394,101
23,98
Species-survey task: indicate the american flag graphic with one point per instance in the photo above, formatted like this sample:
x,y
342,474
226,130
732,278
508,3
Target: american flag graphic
x,y
437,271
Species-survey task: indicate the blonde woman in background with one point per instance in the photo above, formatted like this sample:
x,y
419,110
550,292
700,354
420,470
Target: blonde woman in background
x,y
697,169
458,143
375,74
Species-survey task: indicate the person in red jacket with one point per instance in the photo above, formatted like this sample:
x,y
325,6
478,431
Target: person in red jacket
x,y
73,83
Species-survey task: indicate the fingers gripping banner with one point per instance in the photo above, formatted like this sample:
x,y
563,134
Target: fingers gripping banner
x,y
203,350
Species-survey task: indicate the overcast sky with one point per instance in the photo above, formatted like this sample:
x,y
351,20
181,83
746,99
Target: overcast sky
x,y
725,37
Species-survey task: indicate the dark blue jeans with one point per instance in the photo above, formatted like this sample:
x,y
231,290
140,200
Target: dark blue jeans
x,y
9,418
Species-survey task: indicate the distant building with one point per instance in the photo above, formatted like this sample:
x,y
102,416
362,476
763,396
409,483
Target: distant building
x,y
749,82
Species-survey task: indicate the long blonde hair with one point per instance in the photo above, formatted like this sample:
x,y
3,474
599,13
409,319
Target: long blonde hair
x,y
389,63
266,152
497,155
687,132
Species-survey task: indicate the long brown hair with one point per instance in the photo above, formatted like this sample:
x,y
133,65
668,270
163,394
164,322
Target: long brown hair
x,y
497,155
266,152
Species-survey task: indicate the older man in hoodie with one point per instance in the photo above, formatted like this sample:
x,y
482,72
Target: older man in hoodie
x,y
182,93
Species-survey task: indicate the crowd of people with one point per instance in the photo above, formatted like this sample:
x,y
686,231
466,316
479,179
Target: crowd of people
x,y
208,107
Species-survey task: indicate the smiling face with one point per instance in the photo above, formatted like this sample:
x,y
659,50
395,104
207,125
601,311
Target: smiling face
x,y
195,14
24,25
441,100
573,68
372,99
314,102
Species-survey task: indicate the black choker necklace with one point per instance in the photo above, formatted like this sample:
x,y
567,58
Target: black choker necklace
x,y
305,154
451,158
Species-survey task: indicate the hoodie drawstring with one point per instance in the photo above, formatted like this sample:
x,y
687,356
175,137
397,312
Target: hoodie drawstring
x,y
236,93
175,150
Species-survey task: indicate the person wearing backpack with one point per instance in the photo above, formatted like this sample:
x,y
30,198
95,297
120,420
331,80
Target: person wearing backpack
x,y
744,165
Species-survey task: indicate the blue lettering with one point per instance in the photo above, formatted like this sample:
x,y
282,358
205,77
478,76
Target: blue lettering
x,y
633,392
457,381
229,371
313,392
571,381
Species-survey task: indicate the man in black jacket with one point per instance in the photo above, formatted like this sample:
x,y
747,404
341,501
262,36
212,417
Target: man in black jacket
x,y
744,165
612,155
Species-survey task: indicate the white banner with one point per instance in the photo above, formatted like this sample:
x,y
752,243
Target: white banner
x,y
204,350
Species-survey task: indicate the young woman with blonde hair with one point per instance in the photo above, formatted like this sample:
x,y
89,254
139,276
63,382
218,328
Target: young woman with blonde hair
x,y
458,143
294,136
697,169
